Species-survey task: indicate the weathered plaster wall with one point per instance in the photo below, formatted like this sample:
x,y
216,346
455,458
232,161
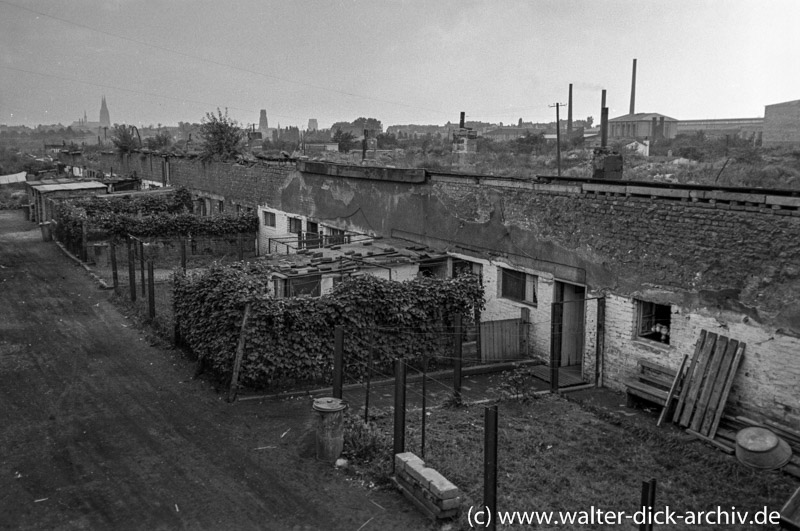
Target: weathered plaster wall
x,y
727,262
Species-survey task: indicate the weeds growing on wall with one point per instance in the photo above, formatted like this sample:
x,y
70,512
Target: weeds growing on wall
x,y
292,339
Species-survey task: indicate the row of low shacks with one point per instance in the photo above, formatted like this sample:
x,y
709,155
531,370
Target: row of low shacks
x,y
42,194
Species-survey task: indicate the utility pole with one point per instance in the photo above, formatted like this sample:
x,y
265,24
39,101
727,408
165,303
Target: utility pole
x,y
558,137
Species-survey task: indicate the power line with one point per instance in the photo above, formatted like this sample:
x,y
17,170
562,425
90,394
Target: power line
x,y
219,63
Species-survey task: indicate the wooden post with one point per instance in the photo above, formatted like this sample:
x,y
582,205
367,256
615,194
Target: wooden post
x,y
648,502
131,270
84,242
490,465
556,330
183,254
338,355
600,342
478,352
369,375
151,291
140,249
112,249
457,358
525,319
399,407
237,361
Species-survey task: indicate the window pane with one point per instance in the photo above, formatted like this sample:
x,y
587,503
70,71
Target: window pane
x,y
513,284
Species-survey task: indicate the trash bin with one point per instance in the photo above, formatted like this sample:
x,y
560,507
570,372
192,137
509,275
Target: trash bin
x,y
46,234
330,427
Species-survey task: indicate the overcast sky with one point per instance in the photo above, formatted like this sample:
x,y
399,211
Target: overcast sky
x,y
165,61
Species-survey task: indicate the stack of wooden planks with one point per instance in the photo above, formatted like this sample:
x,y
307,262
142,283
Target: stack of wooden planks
x,y
707,383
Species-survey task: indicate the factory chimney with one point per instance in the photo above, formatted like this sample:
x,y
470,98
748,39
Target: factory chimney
x,y
461,120
569,113
633,88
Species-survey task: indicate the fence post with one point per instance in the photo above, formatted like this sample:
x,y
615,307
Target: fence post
x,y
141,263
600,342
369,375
338,354
490,465
151,291
240,241
399,408
457,358
525,319
131,270
112,249
84,242
183,253
556,331
424,402
648,501
237,362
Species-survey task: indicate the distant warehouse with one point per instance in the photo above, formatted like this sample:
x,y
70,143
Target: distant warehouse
x,y
782,124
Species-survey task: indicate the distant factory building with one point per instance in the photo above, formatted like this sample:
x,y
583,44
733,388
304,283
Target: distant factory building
x,y
714,128
643,125
782,125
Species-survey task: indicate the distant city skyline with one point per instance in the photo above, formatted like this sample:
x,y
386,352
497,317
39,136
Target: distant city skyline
x,y
409,62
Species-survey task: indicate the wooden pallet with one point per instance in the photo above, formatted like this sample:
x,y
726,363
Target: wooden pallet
x,y
707,384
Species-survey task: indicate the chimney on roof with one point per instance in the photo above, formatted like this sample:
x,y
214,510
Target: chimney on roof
x,y
569,113
633,88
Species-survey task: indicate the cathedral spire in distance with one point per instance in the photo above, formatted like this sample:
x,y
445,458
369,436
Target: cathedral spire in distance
x,y
105,120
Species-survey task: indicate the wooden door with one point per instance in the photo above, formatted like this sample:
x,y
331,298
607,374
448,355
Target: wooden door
x,y
573,308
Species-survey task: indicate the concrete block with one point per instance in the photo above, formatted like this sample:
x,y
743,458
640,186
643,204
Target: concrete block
x,y
783,201
401,460
558,188
450,503
735,196
439,485
611,188
657,192
416,469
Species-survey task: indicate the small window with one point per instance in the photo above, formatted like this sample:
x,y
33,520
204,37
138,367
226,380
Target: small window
x,y
335,237
518,286
309,286
464,267
653,321
220,206
269,219
312,226
295,225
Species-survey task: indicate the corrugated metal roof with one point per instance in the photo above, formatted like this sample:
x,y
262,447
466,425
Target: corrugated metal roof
x,y
86,185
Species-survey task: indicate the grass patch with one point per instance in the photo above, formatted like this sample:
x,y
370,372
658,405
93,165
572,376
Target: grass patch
x,y
557,455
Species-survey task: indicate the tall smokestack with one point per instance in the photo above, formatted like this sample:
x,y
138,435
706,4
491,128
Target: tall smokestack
x,y
569,112
461,120
633,88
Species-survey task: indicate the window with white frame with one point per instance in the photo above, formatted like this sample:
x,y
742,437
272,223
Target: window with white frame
x,y
517,285
653,321
269,219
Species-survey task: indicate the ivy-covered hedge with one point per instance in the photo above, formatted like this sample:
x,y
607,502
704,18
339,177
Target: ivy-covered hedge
x,y
145,216
292,338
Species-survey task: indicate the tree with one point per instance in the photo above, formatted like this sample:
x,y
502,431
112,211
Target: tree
x,y
223,139
159,142
345,140
124,138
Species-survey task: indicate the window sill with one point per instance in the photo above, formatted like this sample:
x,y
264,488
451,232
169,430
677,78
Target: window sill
x,y
653,346
517,301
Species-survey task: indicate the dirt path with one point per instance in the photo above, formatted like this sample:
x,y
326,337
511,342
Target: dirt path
x,y
101,430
